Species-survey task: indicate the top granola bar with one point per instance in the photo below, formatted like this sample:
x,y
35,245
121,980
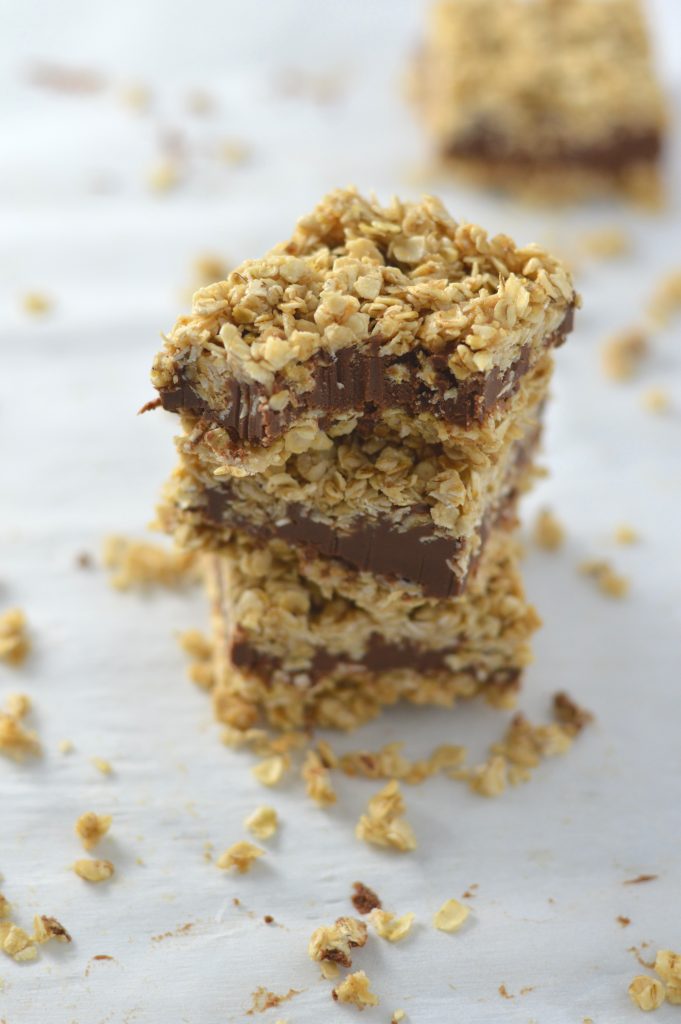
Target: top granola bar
x,y
365,308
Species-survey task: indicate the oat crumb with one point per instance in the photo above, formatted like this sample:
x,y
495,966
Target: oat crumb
x,y
490,777
263,999
569,714
317,779
656,400
333,942
14,642
91,828
668,966
5,906
17,742
263,822
383,824
36,303
389,927
355,989
134,563
646,992
102,765
271,770
623,921
94,870
504,993
46,928
625,534
666,300
549,533
609,582
623,354
16,942
398,1016
364,899
451,916
606,243
241,855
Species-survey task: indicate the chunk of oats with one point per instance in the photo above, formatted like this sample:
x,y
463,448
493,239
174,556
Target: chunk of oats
x,y
15,741
94,870
134,563
355,990
383,824
451,916
333,942
241,855
389,927
648,993
36,303
625,534
623,353
656,400
46,928
489,778
668,965
14,642
18,944
608,580
91,827
318,780
548,531
102,765
271,770
263,822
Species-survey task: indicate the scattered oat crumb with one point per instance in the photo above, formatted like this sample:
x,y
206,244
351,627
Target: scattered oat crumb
x,y
383,824
504,993
200,102
668,965
333,942
164,176
94,870
102,765
656,400
666,300
263,822
65,746
46,928
91,828
329,970
208,269
623,353
549,533
489,778
5,906
317,780
64,79
234,152
569,714
264,1000
389,927
398,1016
268,919
240,855
136,563
15,741
199,648
355,989
184,929
639,879
136,96
606,243
623,921
451,916
36,303
84,560
14,642
16,942
625,534
18,705
648,993
364,899
637,953
271,770
608,580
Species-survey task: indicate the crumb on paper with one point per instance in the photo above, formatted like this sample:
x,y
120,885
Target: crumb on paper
x,y
548,533
623,354
134,563
36,303
668,965
5,906
364,899
241,855
234,152
263,822
61,78
317,780
609,582
65,746
207,269
666,299
84,560
16,742
199,648
16,942
451,916
490,777
355,989
93,870
606,242
271,770
623,921
329,969
333,942
383,823
640,879
570,714
200,102
263,999
14,642
646,992
388,926
102,765
656,400
46,928
18,705
504,993
398,1016
136,96
91,828
626,534
164,176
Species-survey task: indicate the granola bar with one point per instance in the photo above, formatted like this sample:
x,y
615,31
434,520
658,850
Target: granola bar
x,y
307,641
543,96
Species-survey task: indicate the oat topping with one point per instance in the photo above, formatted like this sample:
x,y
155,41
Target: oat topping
x,y
271,770
94,870
318,780
91,828
656,400
451,916
14,642
389,927
140,564
549,533
647,993
333,942
383,824
46,928
364,899
263,822
623,354
355,989
609,582
241,855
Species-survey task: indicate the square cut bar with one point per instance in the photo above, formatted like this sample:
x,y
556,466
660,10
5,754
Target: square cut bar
x,y
304,642
547,97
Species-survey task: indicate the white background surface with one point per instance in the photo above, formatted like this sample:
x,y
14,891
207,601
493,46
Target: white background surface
x,y
78,221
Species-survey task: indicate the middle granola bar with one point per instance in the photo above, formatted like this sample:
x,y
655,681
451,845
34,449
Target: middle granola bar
x,y
369,391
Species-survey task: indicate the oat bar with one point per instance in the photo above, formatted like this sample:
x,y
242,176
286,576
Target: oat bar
x,y
543,96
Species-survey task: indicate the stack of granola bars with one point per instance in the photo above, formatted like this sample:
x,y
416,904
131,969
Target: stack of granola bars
x,y
360,411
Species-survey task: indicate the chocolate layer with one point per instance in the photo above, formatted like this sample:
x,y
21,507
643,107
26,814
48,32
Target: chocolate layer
x,y
379,657
611,154
357,380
